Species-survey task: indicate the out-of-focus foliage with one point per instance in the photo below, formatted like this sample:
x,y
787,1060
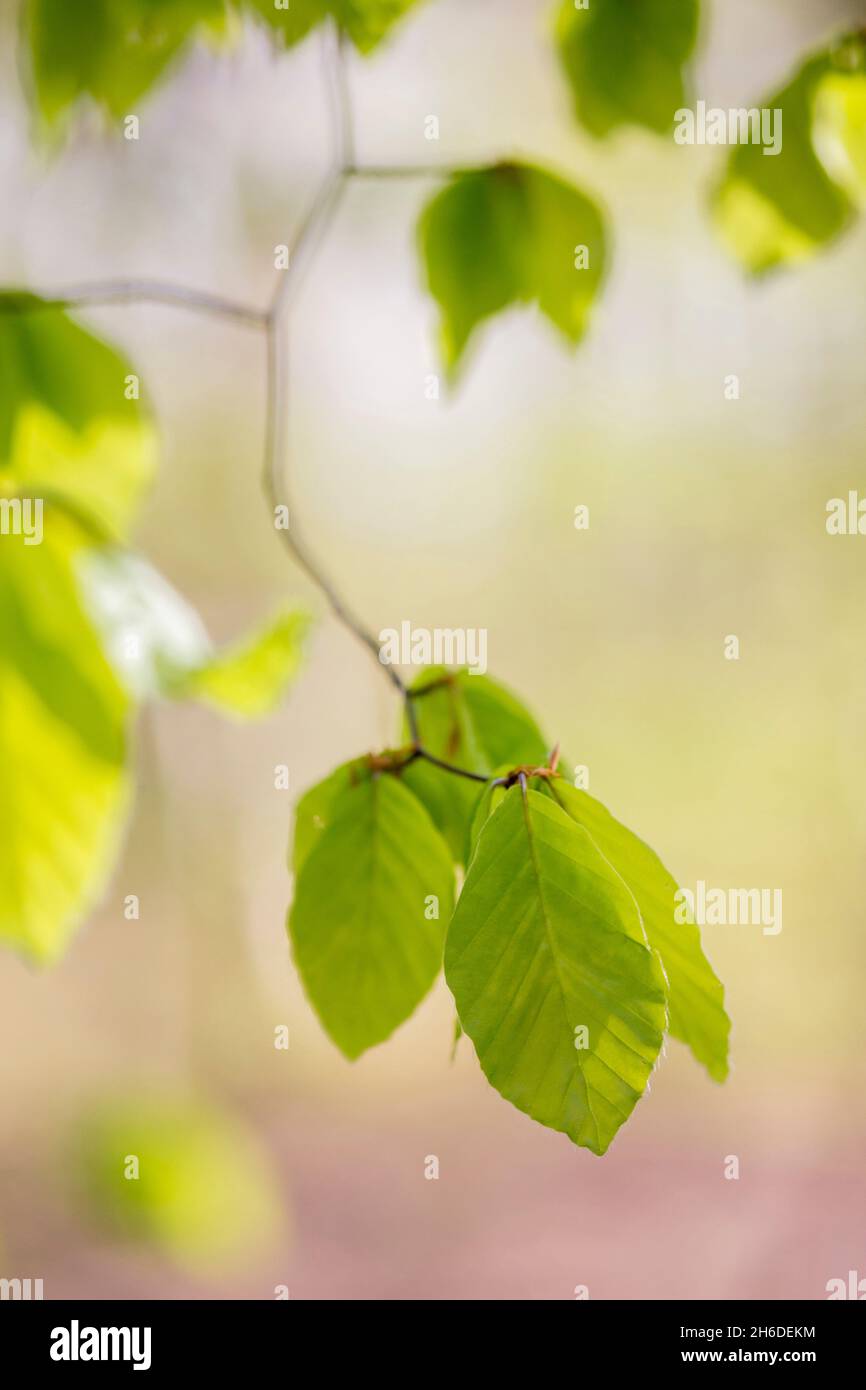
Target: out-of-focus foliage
x,y
86,628
72,445
67,429
626,61
112,51
63,715
366,22
510,234
773,210
159,645
186,1178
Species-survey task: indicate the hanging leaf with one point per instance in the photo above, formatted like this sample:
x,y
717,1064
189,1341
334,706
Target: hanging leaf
x,y
626,61
506,235
112,51
365,22
778,209
551,974
371,903
696,996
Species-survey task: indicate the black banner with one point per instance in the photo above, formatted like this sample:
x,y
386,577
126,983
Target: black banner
x,y
160,1339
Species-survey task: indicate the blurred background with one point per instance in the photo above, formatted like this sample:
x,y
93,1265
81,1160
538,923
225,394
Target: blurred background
x,y
707,519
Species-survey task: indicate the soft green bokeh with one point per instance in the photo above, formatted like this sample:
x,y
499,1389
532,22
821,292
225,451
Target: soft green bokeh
x,y
626,60
185,1177
510,234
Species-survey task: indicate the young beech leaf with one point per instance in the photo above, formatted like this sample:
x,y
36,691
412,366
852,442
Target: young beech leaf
x,y
776,209
372,901
551,974
474,723
63,778
110,50
67,429
508,234
625,60
696,996
315,808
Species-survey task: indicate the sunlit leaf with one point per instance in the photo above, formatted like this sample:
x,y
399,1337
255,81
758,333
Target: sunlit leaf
x,y
159,645
506,235
63,780
777,209
546,942
696,996
372,901
67,430
626,60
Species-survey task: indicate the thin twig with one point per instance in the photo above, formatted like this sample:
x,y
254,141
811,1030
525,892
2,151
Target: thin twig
x,y
273,321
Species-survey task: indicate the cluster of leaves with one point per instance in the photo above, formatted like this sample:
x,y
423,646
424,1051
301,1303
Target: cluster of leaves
x,y
87,629
563,955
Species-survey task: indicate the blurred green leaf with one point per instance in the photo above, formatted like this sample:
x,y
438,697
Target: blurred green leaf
x,y
64,786
67,430
773,210
112,51
696,996
474,723
159,646
205,1194
366,22
506,235
365,944
546,940
625,60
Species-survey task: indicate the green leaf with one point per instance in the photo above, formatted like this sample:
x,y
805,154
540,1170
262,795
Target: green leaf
x,y
366,22
67,431
315,808
547,940
64,785
204,1193
773,210
112,51
366,952
625,60
158,644
474,723
696,996
506,235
